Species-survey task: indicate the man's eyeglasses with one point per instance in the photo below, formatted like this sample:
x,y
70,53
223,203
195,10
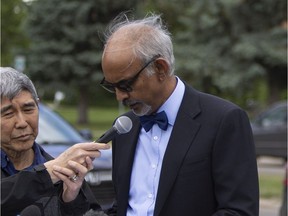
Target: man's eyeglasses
x,y
125,85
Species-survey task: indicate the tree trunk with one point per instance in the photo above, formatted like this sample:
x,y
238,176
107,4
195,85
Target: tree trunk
x,y
83,106
277,82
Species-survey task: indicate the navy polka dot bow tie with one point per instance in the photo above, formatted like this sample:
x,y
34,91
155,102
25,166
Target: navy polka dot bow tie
x,y
147,121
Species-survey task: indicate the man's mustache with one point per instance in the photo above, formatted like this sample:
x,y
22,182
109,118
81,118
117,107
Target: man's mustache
x,y
128,102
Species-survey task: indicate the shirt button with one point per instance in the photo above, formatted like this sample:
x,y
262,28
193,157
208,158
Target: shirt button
x,y
155,137
150,196
153,166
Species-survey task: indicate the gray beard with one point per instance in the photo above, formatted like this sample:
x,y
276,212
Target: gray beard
x,y
145,108
144,111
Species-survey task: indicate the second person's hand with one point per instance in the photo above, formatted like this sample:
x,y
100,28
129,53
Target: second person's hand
x,y
77,153
72,177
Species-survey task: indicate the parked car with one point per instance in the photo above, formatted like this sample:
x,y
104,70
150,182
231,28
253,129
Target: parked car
x,y
56,135
270,131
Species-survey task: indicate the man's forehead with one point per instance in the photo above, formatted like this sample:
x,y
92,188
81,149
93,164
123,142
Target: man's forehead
x,y
118,45
126,37
118,55
22,97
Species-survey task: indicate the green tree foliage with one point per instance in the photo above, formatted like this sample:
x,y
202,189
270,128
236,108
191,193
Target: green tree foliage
x,y
12,37
227,46
67,44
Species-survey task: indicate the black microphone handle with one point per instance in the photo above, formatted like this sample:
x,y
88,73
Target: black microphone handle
x,y
108,136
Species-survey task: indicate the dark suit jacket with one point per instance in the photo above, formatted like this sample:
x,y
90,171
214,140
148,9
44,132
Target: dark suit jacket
x,y
209,167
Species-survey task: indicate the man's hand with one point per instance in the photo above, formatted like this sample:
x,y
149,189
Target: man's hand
x,y
72,178
77,153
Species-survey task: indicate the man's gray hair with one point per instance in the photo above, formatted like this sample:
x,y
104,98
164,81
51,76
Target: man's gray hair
x,y
12,82
153,41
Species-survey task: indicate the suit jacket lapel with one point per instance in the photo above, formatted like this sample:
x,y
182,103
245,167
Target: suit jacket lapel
x,y
179,143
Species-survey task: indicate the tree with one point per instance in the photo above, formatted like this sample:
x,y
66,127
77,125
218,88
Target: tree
x,y
226,46
12,37
66,44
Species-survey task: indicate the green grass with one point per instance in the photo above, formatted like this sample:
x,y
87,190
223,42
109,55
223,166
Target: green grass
x,y
101,119
271,187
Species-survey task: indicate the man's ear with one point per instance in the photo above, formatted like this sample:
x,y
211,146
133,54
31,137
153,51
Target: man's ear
x,y
162,68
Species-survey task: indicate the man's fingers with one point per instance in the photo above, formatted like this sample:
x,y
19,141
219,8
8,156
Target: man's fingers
x,y
92,154
81,150
89,163
92,146
80,169
64,171
78,153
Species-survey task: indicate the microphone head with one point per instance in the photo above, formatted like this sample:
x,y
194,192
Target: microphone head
x,y
123,125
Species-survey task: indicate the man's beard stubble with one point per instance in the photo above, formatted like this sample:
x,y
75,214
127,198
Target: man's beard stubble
x,y
145,108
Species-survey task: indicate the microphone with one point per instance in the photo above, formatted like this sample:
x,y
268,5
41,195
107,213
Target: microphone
x,y
31,210
122,125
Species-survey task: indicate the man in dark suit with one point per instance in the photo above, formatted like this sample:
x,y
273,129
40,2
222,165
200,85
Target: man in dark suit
x,y
188,153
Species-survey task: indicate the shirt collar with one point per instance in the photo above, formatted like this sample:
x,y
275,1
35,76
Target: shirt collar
x,y
7,165
4,159
172,104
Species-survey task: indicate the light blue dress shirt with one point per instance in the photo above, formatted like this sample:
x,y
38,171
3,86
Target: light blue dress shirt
x,y
148,159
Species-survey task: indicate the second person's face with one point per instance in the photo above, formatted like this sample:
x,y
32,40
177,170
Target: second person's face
x,y
19,123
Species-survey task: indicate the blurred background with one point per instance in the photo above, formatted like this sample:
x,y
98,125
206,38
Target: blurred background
x,y
236,49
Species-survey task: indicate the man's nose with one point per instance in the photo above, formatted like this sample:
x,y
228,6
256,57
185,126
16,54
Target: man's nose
x,y
121,95
21,121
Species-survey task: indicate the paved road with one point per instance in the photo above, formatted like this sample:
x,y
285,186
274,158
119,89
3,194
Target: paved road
x,y
269,212
269,207
274,167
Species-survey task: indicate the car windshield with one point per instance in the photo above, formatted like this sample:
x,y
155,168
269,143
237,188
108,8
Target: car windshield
x,y
51,123
275,117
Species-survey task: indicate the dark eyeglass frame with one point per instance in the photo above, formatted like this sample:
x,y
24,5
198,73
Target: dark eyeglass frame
x,y
125,85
